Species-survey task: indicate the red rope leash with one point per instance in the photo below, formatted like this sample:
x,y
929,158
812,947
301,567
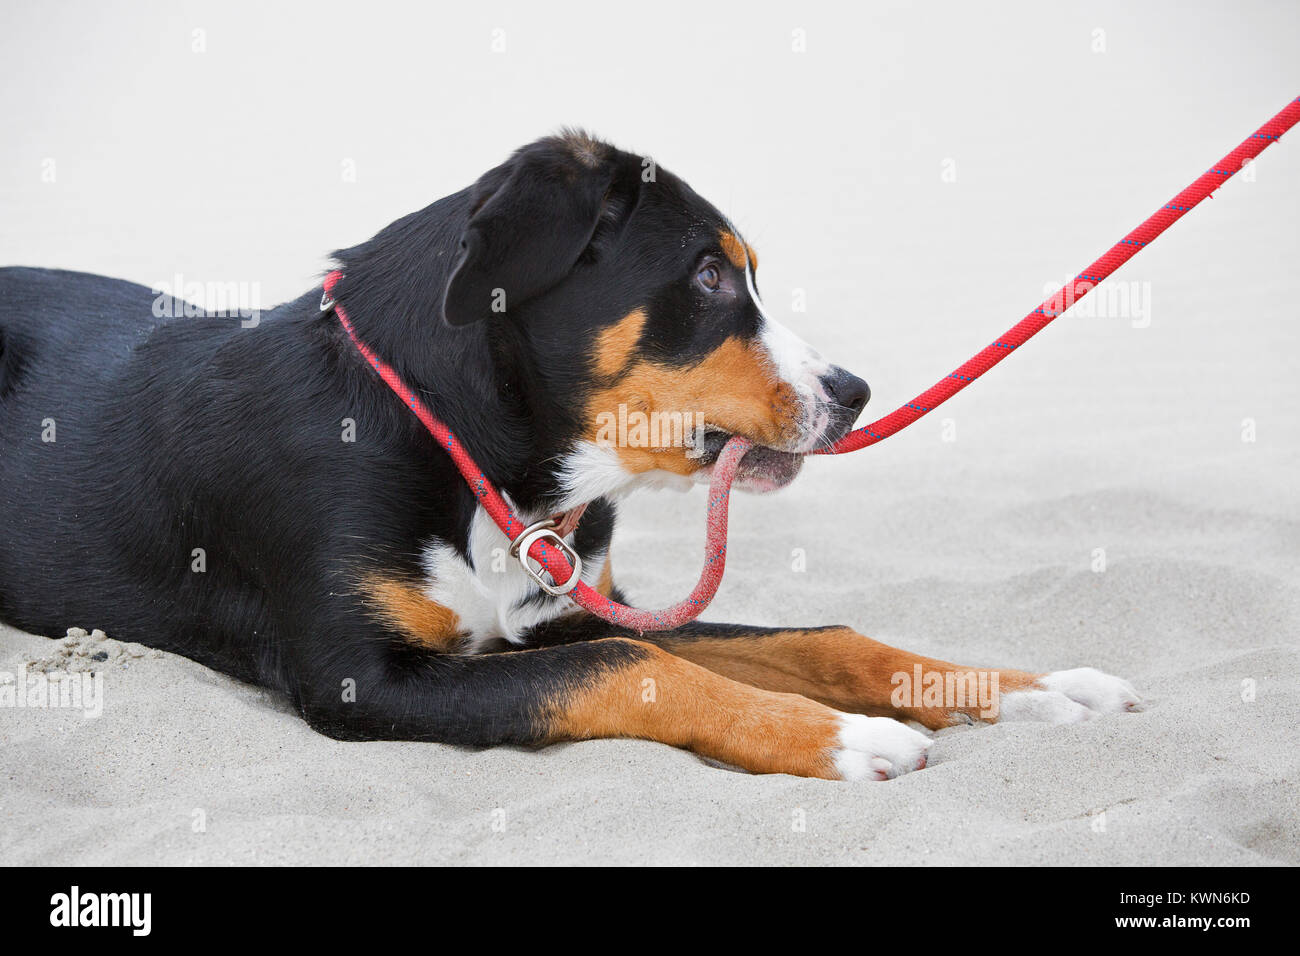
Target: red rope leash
x,y
546,548
1081,285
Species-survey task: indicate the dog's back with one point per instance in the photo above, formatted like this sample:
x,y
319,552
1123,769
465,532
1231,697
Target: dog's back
x,y
82,321
93,375
64,337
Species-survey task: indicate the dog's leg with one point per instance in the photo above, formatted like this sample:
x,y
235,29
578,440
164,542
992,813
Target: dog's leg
x,y
845,670
614,687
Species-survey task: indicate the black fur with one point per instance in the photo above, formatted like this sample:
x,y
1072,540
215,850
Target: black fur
x,y
178,434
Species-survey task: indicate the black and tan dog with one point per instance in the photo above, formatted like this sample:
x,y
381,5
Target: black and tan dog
x,y
187,483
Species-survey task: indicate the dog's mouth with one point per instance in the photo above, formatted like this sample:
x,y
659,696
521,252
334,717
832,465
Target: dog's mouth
x,y
762,469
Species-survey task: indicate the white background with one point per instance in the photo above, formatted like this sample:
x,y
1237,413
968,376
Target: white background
x,y
227,165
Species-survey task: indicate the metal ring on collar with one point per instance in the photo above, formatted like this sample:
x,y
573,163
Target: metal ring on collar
x,y
545,531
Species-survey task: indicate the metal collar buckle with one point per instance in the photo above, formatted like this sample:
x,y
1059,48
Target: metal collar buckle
x,y
545,531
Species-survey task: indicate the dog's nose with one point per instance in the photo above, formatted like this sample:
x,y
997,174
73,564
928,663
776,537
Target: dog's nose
x,y
847,390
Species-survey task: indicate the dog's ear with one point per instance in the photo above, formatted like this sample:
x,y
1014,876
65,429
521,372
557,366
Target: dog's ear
x,y
532,219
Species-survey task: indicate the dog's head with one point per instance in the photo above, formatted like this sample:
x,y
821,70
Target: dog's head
x,y
624,308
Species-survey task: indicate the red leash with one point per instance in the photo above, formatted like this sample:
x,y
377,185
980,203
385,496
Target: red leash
x,y
1081,285
543,541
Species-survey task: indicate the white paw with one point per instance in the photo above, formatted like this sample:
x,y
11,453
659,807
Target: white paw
x,y
1042,706
877,748
1068,697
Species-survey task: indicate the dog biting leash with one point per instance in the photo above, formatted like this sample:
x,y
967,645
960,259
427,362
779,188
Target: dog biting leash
x,y
543,541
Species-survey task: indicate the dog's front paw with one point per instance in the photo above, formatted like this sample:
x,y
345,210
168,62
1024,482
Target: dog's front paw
x,y
1067,697
878,748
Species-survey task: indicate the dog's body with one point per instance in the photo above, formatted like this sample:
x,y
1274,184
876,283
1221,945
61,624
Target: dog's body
x,y
256,499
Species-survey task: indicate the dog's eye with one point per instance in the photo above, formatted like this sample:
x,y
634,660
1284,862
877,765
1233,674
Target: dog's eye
x,y
709,277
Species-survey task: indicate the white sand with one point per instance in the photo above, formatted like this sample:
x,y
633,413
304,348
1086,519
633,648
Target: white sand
x,y
1099,435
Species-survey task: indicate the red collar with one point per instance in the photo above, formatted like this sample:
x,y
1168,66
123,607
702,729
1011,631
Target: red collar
x,y
563,523
543,542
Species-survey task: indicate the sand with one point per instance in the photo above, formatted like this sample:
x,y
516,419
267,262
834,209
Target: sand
x,y
1120,494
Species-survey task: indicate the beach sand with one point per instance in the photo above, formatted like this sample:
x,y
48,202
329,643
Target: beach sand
x,y
1120,494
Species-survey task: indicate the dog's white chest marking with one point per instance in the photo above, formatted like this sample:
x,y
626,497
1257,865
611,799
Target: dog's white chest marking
x,y
490,594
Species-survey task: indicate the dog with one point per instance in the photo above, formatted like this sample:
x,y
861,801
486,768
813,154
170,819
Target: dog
x,y
256,499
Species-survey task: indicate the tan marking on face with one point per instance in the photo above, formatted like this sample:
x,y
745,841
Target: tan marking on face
x,y
401,605
665,698
732,248
616,345
735,388
837,666
753,257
